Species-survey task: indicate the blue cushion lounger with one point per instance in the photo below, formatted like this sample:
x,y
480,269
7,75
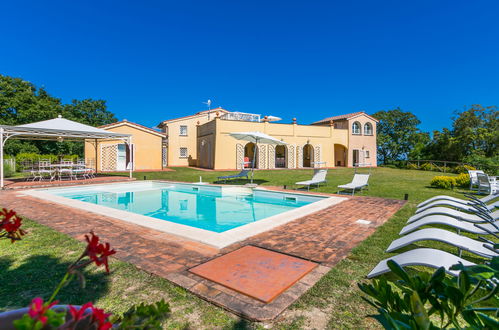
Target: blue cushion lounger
x,y
242,174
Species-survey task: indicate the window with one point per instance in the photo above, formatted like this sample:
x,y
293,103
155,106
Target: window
x,y
356,128
183,153
366,153
183,130
368,129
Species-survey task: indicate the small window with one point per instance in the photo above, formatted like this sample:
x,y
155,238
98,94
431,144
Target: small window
x,y
183,153
368,129
183,130
367,154
356,128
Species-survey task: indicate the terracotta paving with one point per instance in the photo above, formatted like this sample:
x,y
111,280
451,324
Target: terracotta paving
x,y
258,273
23,184
324,237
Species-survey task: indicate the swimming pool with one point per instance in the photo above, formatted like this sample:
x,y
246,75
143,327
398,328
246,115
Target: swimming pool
x,y
215,215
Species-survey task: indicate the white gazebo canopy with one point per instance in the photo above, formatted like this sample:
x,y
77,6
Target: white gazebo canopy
x,y
58,129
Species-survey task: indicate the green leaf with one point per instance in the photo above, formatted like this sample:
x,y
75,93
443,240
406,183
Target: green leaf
x,y
464,282
489,321
399,271
438,275
455,295
419,312
471,317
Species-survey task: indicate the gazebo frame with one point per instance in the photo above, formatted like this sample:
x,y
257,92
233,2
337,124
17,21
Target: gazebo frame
x,y
49,134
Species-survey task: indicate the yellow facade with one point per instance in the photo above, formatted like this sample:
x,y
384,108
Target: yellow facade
x,y
146,145
182,145
307,145
204,140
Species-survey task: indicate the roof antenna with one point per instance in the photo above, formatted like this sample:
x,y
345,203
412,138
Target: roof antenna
x,y
208,103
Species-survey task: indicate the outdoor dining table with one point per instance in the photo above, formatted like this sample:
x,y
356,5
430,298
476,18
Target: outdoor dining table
x,y
58,169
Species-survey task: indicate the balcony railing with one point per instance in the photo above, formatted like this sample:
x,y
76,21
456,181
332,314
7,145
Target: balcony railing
x,y
241,116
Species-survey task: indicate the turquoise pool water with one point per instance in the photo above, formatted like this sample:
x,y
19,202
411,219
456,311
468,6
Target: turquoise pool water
x,y
207,207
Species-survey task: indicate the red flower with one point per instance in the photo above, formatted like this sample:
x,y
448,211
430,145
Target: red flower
x,y
98,252
100,317
11,224
37,310
79,314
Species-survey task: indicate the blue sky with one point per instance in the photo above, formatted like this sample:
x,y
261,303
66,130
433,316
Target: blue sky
x,y
154,60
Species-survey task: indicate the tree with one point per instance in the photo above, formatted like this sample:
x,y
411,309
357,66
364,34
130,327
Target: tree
x,y
476,130
474,133
397,134
21,102
89,112
421,140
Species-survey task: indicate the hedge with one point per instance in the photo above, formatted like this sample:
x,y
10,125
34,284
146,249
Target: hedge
x,y
449,182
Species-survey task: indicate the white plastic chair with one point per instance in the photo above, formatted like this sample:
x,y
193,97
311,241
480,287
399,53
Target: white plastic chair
x,y
473,178
485,184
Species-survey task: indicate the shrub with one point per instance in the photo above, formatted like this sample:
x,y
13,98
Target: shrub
x,y
463,169
412,166
463,180
34,157
443,182
487,164
424,301
8,171
427,167
445,169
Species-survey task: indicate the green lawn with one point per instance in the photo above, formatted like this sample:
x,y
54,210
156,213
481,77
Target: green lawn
x,y
33,266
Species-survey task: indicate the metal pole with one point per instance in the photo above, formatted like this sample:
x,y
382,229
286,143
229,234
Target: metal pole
x,y
130,150
96,151
254,157
1,158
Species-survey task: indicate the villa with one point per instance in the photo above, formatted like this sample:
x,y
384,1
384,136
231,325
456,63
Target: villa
x,y
203,140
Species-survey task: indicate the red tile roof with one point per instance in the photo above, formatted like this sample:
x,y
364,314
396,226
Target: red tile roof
x,y
342,117
123,122
194,115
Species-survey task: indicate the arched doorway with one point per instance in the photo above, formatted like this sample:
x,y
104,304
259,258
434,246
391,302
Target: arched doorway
x,y
340,155
280,156
249,154
308,155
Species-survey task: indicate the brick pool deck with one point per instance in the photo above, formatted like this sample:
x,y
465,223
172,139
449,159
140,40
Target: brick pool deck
x,y
23,184
324,237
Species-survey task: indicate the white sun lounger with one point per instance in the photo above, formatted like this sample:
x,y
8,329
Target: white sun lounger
x,y
242,174
452,213
422,257
445,236
483,200
318,178
451,222
459,206
359,181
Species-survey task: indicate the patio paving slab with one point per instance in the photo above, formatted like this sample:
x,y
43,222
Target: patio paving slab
x,y
324,238
255,272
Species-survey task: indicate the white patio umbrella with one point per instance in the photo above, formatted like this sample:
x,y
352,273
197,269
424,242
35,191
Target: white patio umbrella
x,y
273,118
256,137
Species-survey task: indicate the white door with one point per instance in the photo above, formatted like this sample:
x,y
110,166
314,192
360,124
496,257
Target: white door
x,y
121,157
